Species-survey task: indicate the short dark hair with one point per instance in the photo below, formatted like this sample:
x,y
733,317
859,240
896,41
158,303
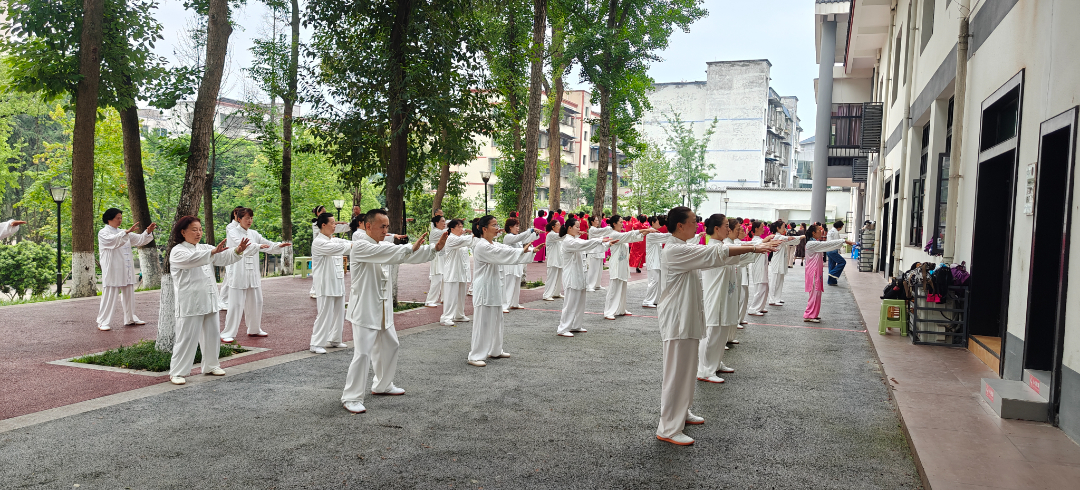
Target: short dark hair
x,y
541,213
320,209
510,222
110,214
662,220
594,218
732,223
652,219
235,211
323,219
678,215
436,219
613,220
182,224
239,213
454,223
371,214
559,210
571,221
839,224
354,223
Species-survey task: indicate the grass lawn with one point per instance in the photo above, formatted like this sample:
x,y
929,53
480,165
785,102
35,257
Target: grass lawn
x,y
143,355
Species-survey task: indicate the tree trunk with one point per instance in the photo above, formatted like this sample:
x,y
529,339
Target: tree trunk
x,y
554,158
202,132
83,270
602,164
289,101
614,176
444,178
399,131
532,122
149,258
208,197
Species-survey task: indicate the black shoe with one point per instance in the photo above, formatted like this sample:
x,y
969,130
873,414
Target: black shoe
x,y
638,269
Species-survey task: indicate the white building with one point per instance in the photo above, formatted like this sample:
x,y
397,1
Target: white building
x,y
230,119
1005,205
757,130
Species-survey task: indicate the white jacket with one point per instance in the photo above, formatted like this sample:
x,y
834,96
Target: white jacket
x,y
573,248
371,299
456,258
599,233
490,257
759,269
779,262
553,249
114,251
327,264
7,229
193,277
437,264
518,241
619,262
245,274
654,246
681,307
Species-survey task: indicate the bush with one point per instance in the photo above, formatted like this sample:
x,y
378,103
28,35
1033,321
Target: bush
x,y
143,355
27,266
302,238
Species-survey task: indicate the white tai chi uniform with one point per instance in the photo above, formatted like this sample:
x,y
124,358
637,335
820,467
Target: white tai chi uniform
x,y
196,308
778,269
328,271
574,276
654,245
244,283
7,229
118,272
595,260
371,312
553,288
759,282
455,275
488,295
682,325
435,270
512,273
223,288
619,272
721,293
338,228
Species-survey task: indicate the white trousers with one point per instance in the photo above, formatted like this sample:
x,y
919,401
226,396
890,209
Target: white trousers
x,y
377,349
553,286
592,276
615,301
453,302
711,349
223,291
108,304
744,300
192,332
246,303
759,297
487,332
652,295
434,292
329,321
776,287
677,388
573,311
511,291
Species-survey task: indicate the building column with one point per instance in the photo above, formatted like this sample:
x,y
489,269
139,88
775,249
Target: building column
x,y
823,129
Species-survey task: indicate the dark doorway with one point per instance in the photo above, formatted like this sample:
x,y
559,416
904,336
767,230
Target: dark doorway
x,y
886,220
1047,285
990,262
892,225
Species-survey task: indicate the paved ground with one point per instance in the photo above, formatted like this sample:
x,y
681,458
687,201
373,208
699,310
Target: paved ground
x,y
806,409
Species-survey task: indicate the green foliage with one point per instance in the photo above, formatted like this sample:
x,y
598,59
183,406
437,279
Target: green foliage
x,y
302,239
653,184
691,171
143,355
583,188
27,267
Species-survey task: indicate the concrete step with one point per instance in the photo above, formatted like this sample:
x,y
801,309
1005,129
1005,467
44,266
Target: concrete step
x,y
1014,400
1039,382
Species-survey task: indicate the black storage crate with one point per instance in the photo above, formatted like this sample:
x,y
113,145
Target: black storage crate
x,y
942,323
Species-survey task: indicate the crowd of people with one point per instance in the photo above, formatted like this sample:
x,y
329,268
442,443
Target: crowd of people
x,y
704,277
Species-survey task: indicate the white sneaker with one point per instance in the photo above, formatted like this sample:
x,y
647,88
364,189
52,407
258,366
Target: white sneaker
x,y
318,350
609,317
312,295
227,340
724,369
464,319
476,363
740,327
137,322
711,379
679,439
589,290
104,328
579,330
217,372
650,305
393,391
429,305
354,407
565,334
177,380
692,419
735,341
339,345
548,299
601,288
447,324
559,296
756,314
506,311
727,348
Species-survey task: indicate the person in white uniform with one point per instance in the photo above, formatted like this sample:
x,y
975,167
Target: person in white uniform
x,y
619,266
654,245
435,268
573,247
455,273
488,289
244,279
230,232
553,288
118,267
197,321
328,272
778,265
595,260
10,227
371,308
512,273
341,227
759,274
682,319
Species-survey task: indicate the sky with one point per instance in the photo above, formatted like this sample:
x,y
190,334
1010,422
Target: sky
x,y
781,31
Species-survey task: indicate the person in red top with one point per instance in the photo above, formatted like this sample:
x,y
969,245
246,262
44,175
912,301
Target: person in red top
x,y
637,249
540,223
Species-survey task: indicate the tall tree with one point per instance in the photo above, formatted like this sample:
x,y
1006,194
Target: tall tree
x,y
532,122
652,189
289,99
558,69
690,168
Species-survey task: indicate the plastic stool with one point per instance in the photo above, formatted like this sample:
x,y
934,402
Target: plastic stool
x,y
893,315
302,266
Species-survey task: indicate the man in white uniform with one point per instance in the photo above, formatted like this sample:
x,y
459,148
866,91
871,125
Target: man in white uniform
x,y
435,269
244,280
371,309
595,260
778,265
9,227
118,267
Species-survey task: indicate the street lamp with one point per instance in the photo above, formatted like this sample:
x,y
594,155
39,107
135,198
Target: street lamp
x,y
485,176
725,205
339,203
58,196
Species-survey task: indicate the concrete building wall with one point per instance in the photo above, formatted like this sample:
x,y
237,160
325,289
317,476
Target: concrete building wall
x,y
771,204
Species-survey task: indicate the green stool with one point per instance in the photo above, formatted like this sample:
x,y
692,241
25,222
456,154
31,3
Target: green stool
x,y
302,266
893,314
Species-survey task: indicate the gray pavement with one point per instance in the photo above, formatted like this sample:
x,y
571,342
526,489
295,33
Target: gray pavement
x,y
806,409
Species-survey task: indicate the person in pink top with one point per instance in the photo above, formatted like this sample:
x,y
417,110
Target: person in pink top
x,y
540,223
561,216
815,253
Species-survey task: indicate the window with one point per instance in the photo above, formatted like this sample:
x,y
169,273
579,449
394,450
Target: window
x,y
494,162
918,191
846,126
927,22
943,188
896,65
543,142
1000,120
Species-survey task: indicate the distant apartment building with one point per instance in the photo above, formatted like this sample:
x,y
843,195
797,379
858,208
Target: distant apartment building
x,y
804,165
229,119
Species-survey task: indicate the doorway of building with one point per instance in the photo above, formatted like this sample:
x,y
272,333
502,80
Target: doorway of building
x,y
1047,288
885,221
892,225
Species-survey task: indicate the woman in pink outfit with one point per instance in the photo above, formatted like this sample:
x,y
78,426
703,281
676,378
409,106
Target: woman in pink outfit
x,y
540,223
815,253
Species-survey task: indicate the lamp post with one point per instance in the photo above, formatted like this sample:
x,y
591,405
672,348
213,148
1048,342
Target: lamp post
x,y
339,203
58,195
726,205
485,176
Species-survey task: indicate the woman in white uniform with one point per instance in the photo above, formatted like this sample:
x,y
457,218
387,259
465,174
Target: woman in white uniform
x,y
118,267
244,279
488,291
512,273
435,268
759,274
553,245
10,227
455,273
230,232
328,271
196,307
341,227
619,266
595,260
778,265
654,245
574,274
